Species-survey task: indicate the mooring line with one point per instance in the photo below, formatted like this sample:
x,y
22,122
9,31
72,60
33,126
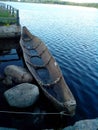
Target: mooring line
x,y
29,113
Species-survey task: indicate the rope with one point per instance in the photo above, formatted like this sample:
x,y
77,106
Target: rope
x,y
29,113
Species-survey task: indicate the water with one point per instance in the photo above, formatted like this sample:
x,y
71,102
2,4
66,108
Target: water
x,y
71,36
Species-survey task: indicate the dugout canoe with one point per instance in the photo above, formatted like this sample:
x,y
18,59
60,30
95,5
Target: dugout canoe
x,y
46,72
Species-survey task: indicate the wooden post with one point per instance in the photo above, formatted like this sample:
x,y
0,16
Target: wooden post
x,y
12,11
17,16
7,7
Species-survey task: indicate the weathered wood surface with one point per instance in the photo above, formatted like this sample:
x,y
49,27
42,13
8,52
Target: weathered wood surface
x,y
9,37
10,31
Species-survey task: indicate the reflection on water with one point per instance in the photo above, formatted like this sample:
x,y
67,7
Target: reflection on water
x,y
8,57
71,35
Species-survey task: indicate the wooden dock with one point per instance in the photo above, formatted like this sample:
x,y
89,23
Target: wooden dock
x,y
9,33
9,37
13,17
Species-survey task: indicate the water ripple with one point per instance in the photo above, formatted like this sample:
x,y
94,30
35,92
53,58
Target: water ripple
x,y
71,35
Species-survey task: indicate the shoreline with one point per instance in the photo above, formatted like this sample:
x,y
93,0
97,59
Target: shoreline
x,y
93,5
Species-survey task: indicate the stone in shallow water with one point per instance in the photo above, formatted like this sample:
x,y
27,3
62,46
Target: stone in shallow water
x,y
22,95
18,74
91,124
8,80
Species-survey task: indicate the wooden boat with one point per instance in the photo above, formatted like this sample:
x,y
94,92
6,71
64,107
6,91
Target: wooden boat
x,y
46,72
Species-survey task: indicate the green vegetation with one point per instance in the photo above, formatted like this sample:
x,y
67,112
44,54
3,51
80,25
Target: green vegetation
x,y
4,13
95,5
6,18
7,22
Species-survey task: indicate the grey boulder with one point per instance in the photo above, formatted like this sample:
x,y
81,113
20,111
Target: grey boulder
x,y
90,124
22,95
17,74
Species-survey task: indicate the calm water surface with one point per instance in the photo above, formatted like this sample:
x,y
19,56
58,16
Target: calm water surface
x,y
71,34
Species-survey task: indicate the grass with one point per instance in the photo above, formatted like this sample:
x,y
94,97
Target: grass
x,y
6,18
4,13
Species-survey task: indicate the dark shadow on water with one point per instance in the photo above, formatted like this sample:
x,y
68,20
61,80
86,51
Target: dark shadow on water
x,y
9,116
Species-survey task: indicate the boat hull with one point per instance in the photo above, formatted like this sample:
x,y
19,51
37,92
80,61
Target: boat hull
x,y
47,73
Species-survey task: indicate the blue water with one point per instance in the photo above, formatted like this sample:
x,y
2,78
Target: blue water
x,y
71,34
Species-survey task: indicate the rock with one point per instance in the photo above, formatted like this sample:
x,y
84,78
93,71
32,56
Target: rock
x,y
91,124
22,95
18,74
8,80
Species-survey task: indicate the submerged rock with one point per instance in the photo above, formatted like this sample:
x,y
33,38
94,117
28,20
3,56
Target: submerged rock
x,y
8,80
22,95
91,124
18,74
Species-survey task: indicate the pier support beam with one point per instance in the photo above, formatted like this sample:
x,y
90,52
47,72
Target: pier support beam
x,y
9,36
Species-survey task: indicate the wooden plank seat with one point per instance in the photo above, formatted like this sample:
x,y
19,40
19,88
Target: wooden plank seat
x,y
39,66
53,82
